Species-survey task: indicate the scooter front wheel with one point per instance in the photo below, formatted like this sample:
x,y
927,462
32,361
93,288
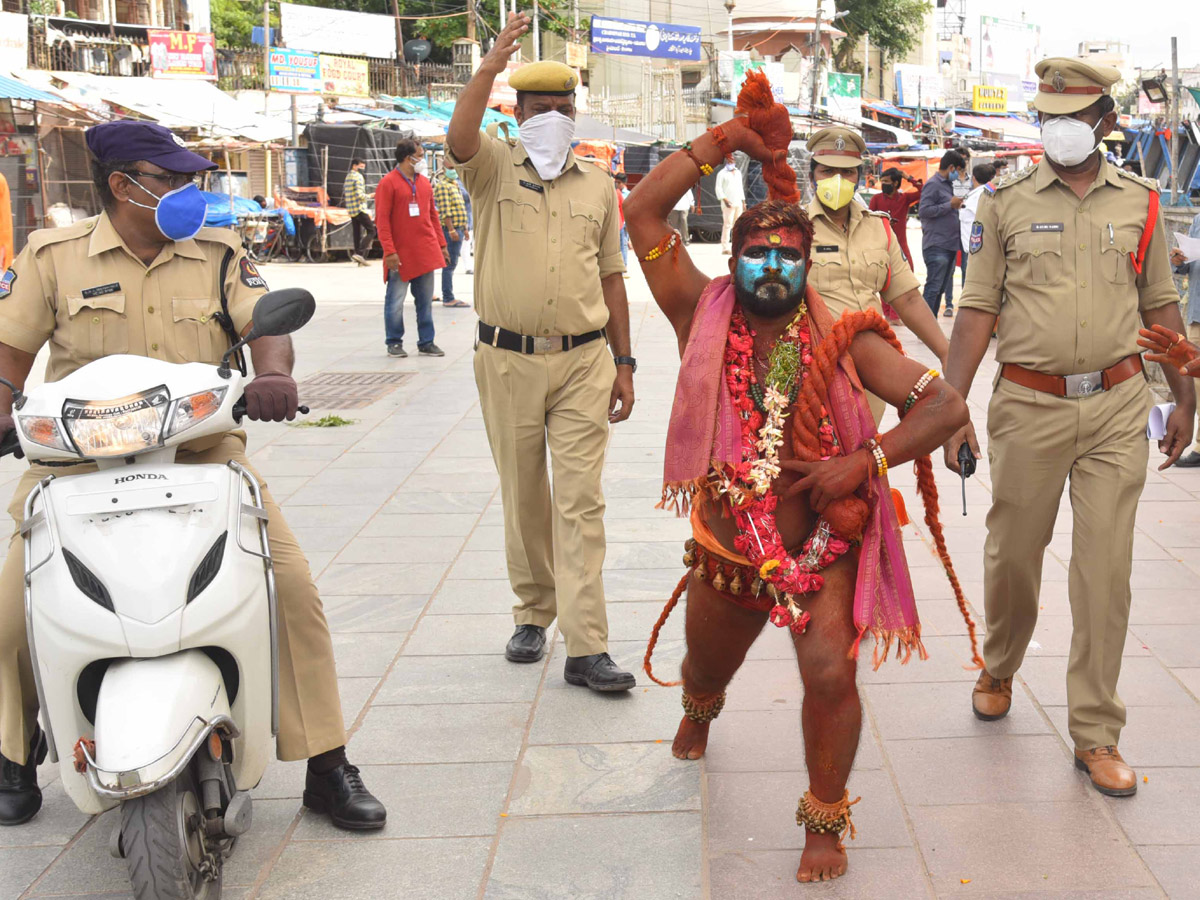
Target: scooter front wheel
x,y
167,854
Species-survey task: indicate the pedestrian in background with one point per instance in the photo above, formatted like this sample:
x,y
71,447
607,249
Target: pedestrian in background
x,y
355,197
982,176
452,211
732,193
414,247
678,219
896,203
939,223
1190,268
622,183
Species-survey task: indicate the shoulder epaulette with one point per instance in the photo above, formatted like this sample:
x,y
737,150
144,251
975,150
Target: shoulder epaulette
x,y
879,213
1148,183
989,188
226,236
1010,180
44,237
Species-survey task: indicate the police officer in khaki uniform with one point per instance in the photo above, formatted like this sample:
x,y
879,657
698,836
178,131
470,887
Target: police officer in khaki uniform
x,y
549,291
856,260
1075,251
144,278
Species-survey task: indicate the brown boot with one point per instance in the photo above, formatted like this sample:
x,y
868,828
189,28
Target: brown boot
x,y
1109,772
992,697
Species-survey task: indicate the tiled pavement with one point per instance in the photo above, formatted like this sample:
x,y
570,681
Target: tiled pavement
x,y
503,782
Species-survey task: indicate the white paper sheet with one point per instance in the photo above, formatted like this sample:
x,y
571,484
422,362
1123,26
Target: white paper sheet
x,y
1189,245
1156,430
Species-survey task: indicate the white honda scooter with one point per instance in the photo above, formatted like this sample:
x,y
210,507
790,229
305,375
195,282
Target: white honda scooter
x,y
150,606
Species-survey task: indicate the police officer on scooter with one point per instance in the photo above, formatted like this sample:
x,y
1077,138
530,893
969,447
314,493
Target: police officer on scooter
x,y
145,278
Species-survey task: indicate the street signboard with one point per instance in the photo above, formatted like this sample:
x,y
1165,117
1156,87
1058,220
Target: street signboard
x,y
989,99
843,97
630,37
344,76
295,71
183,54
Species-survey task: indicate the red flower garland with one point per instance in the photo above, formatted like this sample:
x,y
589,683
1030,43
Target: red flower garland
x,y
758,537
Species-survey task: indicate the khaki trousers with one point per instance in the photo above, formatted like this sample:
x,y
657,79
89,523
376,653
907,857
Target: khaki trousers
x,y
1035,443
554,544
729,215
310,711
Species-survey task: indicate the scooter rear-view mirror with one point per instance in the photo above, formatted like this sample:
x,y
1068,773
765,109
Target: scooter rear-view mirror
x,y
275,314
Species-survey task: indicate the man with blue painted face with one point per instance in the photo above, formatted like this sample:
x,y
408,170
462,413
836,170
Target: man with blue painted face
x,y
857,261
1071,254
773,449
146,278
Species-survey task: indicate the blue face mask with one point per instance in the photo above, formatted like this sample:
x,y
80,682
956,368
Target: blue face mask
x,y
770,282
179,214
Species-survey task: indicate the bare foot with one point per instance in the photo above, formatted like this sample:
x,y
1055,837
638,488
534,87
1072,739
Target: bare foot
x,y
690,739
821,859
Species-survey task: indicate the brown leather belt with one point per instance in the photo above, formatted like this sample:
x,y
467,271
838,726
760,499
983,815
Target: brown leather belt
x,y
1082,385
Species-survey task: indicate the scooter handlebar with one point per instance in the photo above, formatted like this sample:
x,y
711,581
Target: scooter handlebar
x,y
239,411
10,445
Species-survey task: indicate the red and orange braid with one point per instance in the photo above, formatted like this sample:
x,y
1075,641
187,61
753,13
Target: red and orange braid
x,y
662,620
848,515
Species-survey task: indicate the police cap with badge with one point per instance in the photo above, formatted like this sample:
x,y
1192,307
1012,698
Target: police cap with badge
x,y
837,146
128,141
546,77
1068,84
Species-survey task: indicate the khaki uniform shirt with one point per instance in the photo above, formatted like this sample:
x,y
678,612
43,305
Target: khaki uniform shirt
x,y
850,268
541,248
1064,271
81,289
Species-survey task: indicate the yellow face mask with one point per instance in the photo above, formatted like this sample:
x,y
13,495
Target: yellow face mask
x,y
835,192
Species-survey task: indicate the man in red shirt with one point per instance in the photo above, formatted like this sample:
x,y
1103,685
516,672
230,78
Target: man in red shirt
x,y
895,203
414,247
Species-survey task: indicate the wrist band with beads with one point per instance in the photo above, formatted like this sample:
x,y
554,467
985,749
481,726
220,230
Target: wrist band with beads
x,y
876,448
705,168
663,247
922,383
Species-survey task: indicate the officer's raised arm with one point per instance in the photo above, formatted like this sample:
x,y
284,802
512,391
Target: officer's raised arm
x,y
462,137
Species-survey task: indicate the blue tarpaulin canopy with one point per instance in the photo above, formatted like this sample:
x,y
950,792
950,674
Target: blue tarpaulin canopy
x,y
11,89
219,216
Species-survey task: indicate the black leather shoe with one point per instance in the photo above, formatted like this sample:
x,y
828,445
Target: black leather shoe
x,y
1189,460
527,645
342,794
20,796
597,672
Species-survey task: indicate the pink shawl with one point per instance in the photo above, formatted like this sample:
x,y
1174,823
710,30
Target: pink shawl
x,y
704,434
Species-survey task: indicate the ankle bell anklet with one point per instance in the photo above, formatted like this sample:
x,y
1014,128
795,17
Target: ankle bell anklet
x,y
702,711
827,818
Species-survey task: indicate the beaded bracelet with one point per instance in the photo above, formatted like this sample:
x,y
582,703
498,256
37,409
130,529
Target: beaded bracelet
x,y
922,383
663,247
705,168
876,448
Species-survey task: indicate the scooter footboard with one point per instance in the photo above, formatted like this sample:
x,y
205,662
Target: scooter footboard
x,y
151,717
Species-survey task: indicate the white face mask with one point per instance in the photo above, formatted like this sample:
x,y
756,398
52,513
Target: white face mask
x,y
420,167
1068,141
547,139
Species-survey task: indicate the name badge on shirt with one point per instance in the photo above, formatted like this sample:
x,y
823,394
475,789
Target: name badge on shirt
x,y
532,186
826,248
414,210
1037,227
102,290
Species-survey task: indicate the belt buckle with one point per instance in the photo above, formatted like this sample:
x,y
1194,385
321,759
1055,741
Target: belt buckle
x,y
545,345
1084,385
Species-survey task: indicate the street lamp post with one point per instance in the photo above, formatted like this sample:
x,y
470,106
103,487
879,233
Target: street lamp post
x,y
729,5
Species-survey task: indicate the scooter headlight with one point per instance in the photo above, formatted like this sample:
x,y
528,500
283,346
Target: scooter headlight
x,y
194,409
132,424
44,430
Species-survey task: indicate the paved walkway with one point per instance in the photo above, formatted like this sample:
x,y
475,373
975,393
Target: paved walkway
x,y
503,782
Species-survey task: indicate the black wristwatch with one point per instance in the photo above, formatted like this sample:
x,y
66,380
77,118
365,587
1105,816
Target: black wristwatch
x,y
626,361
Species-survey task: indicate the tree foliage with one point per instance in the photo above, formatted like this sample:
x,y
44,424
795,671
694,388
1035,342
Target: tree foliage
x,y
895,28
233,20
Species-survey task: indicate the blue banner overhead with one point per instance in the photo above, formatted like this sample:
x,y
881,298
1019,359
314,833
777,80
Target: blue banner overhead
x,y
629,37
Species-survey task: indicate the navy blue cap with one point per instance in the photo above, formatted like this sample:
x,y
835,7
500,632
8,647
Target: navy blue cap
x,y
131,140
